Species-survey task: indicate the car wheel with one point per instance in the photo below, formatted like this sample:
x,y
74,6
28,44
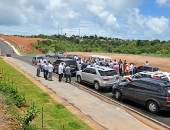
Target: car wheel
x,y
79,79
152,106
97,86
118,95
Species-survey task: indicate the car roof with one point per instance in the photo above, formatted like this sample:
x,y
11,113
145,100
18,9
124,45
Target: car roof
x,y
101,68
150,80
150,73
72,55
66,59
39,56
148,66
99,56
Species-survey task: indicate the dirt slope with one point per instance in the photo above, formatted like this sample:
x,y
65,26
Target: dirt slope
x,y
22,43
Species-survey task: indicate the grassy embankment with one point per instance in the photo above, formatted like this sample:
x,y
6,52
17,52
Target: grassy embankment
x,y
56,116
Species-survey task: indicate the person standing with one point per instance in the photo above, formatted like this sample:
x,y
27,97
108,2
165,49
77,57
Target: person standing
x,y
43,67
146,63
38,65
131,69
61,71
46,71
68,73
120,67
50,71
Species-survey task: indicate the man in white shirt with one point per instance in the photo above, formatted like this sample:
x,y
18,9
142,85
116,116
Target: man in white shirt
x,y
61,71
50,71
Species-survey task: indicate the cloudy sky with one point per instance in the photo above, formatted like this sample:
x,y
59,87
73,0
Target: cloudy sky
x,y
126,19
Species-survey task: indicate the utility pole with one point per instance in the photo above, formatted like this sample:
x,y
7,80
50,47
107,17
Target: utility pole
x,y
61,31
58,30
79,32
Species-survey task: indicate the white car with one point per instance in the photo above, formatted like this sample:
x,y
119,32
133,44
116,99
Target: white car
x,y
146,74
167,76
100,77
100,58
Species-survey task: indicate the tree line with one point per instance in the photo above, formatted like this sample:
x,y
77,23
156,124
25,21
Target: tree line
x,y
62,43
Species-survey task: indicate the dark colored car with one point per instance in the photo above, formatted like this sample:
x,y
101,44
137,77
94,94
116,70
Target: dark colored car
x,y
154,94
71,62
72,56
146,68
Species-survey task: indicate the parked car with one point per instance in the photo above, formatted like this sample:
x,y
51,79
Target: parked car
x,y
146,68
59,55
50,54
73,56
35,59
72,63
154,94
100,77
144,74
100,58
166,77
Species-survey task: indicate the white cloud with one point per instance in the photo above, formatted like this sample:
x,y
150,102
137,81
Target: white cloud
x,y
163,2
121,18
148,26
157,25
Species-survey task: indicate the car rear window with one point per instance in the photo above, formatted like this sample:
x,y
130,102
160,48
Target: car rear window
x,y
40,57
71,62
108,73
155,69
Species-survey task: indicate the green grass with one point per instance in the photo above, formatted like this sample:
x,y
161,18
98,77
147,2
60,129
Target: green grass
x,y
56,116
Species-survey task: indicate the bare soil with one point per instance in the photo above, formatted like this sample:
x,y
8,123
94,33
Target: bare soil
x,y
6,121
22,43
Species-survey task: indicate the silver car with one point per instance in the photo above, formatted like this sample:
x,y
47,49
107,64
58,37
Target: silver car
x,y
100,77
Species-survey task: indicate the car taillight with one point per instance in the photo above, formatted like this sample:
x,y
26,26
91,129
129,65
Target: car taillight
x,y
105,78
168,100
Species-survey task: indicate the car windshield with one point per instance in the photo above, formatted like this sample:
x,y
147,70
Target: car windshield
x,y
108,73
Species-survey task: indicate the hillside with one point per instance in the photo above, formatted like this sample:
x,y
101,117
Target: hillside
x,y
23,44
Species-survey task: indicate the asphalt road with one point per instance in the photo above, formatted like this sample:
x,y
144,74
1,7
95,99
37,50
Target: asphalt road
x,y
163,116
5,49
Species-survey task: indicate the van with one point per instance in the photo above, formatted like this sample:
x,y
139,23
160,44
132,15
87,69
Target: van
x,y
153,94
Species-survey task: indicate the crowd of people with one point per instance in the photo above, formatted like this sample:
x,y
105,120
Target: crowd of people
x,y
47,68
121,67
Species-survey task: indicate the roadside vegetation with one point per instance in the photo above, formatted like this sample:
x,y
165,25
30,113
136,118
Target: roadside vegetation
x,y
102,44
31,107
